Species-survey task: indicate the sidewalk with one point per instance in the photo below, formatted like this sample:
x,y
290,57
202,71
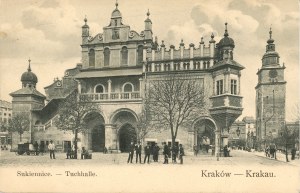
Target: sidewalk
x,y
280,157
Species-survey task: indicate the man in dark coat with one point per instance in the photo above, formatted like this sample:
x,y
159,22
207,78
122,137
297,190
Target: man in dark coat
x,y
155,152
131,152
138,152
147,153
174,153
166,153
36,147
181,153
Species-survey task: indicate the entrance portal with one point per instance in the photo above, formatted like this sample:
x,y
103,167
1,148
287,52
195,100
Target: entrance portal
x,y
127,134
98,138
205,136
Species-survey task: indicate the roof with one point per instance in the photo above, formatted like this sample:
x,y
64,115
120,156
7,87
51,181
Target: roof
x,y
109,73
248,119
27,91
227,62
5,104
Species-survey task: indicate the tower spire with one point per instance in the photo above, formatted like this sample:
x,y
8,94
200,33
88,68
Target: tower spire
x,y
226,32
148,14
270,40
117,4
29,68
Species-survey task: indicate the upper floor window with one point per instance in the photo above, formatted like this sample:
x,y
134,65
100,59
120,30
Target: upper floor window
x,y
115,34
128,87
99,89
106,56
167,67
124,56
157,67
139,55
219,87
92,58
186,66
176,66
233,87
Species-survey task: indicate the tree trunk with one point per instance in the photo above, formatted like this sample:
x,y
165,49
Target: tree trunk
x,y
76,147
286,153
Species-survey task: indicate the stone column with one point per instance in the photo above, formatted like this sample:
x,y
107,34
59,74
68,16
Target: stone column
x,y
141,88
191,56
111,137
217,143
172,57
79,86
109,88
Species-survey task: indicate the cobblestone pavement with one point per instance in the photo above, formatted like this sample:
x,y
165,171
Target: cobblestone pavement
x,y
111,173
239,158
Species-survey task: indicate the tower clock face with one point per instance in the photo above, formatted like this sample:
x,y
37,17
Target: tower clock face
x,y
273,73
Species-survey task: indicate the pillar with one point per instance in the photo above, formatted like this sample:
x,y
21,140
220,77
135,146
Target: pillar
x,y
141,88
172,57
111,137
217,143
191,56
79,87
109,88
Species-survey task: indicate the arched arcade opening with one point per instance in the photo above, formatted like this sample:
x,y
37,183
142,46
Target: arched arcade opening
x,y
204,136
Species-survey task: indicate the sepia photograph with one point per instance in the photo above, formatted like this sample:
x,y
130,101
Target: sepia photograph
x,y
149,96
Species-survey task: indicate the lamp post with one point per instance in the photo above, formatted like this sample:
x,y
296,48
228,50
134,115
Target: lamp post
x,y
284,134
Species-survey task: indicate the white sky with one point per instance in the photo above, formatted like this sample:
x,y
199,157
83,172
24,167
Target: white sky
x,y
49,32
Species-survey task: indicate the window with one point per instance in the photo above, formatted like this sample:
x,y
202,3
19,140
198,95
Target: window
x,y
186,66
140,55
128,87
92,58
99,89
157,67
124,56
167,67
219,87
106,56
233,87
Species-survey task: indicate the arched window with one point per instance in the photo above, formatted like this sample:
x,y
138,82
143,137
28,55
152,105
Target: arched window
x,y
124,56
92,58
106,56
128,87
99,88
140,55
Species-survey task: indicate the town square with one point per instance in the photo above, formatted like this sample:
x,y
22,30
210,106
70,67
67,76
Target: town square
x,y
109,93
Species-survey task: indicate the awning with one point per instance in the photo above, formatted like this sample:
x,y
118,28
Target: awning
x,y
109,73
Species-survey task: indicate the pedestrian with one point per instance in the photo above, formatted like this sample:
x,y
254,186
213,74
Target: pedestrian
x,y
293,152
181,153
85,154
228,151
36,147
174,153
51,148
267,151
138,152
166,151
131,152
147,153
195,147
225,151
155,152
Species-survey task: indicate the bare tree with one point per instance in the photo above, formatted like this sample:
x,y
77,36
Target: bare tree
x,y
20,123
174,101
72,112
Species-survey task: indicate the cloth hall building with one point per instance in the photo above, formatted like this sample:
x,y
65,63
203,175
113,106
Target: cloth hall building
x,y
115,66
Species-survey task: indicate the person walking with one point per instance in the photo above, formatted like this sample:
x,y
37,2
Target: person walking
x,y
155,152
195,147
131,152
51,148
166,151
36,147
138,152
181,153
174,153
147,153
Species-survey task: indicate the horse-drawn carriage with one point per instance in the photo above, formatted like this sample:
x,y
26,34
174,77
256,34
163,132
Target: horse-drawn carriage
x,y
27,149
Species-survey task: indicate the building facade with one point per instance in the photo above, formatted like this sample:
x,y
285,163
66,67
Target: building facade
x,y
116,66
5,116
270,94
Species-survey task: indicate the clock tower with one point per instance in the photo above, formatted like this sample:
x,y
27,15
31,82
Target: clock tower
x,y
270,95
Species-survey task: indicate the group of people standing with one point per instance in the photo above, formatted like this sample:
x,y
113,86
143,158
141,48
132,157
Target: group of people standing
x,y
148,150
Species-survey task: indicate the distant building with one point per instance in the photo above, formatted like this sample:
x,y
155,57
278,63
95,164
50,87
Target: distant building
x,y
113,73
243,132
270,95
5,116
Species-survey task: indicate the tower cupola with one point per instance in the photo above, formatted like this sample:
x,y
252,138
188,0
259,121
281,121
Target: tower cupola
x,y
271,57
29,79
